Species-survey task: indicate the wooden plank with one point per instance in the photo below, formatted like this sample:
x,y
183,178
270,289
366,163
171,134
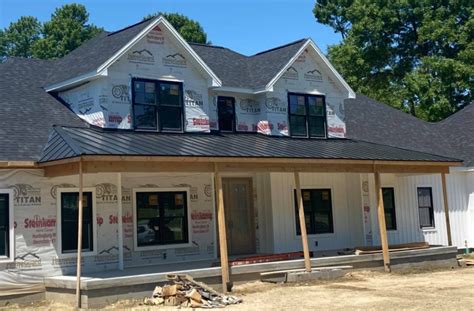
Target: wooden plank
x,y
446,208
120,221
79,239
382,225
304,236
222,230
392,248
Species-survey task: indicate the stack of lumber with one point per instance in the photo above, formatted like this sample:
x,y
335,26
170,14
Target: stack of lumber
x,y
391,248
184,291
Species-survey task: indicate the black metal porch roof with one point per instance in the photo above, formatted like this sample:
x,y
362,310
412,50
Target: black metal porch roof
x,y
68,142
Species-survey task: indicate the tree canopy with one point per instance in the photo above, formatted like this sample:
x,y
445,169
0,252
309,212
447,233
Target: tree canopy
x,y
188,28
67,29
414,55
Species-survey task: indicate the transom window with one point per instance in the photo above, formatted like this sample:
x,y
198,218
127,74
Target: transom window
x,y
389,207
317,211
157,105
226,113
4,225
161,218
425,207
70,222
307,114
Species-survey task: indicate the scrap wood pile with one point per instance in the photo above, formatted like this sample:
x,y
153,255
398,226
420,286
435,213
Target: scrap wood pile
x,y
184,291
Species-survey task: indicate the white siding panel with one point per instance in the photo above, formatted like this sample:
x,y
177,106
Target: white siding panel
x,y
346,206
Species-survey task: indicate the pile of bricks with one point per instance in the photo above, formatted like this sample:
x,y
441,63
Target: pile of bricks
x,y
184,291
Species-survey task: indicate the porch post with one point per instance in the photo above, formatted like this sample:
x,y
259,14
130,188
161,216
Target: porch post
x,y
382,225
446,208
119,221
304,236
222,229
79,238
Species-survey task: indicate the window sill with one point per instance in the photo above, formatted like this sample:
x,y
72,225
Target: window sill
x,y
5,259
429,229
160,247
318,235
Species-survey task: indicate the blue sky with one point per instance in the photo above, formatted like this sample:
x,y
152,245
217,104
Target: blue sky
x,y
245,26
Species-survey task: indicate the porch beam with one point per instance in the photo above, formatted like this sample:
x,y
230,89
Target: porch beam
x,y
116,167
222,229
119,221
304,236
79,238
381,221
446,208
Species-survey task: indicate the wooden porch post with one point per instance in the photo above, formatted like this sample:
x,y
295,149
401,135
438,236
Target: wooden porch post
x,y
446,208
79,238
382,225
304,236
222,230
119,221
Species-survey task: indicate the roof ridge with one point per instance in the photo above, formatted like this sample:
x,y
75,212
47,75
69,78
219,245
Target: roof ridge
x,y
111,33
280,47
456,114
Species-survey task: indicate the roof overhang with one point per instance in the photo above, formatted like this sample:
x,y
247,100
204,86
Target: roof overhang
x,y
102,69
310,44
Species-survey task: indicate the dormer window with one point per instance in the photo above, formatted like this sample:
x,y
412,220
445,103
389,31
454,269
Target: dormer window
x,y
157,105
226,113
307,115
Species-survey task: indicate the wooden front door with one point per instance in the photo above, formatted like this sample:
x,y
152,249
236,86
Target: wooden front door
x,y
239,216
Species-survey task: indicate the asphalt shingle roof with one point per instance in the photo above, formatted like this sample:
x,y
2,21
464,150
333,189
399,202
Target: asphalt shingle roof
x,y
66,142
372,121
26,110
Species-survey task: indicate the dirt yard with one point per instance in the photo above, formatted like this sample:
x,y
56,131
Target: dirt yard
x,y
413,290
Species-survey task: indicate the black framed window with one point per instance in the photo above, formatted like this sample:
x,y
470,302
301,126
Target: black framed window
x,y
388,195
157,105
425,207
317,205
4,224
70,222
161,218
226,113
307,115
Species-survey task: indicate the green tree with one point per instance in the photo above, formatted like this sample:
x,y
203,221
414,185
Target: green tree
x,y
19,36
414,55
189,29
67,29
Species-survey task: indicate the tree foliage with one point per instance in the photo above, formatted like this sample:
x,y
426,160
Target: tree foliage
x,y
19,36
414,55
188,28
67,29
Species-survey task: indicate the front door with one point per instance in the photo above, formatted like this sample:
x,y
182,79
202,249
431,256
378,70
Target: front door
x,y
239,216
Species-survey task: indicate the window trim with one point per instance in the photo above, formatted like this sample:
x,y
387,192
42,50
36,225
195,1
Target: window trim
x,y
157,105
308,135
295,223
234,128
59,223
188,216
11,228
428,228
394,207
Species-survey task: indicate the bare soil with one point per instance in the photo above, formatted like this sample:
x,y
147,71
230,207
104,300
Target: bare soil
x,y
408,290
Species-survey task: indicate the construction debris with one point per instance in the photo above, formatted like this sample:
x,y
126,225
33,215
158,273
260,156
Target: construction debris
x,y
364,250
184,291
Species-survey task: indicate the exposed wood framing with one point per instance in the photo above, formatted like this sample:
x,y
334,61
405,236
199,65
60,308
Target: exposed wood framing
x,y
119,221
70,168
304,236
17,164
79,239
222,229
381,220
446,208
